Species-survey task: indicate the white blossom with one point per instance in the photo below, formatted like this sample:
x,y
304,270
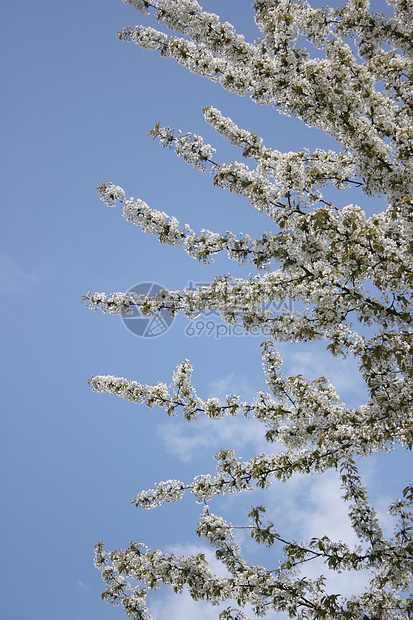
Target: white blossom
x,y
351,276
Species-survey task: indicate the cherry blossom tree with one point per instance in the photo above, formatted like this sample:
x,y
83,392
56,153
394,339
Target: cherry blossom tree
x,y
351,275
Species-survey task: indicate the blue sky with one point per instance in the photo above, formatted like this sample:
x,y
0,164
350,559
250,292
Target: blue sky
x,y
76,109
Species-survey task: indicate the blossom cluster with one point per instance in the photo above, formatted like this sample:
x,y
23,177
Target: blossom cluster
x,y
335,93
254,585
350,274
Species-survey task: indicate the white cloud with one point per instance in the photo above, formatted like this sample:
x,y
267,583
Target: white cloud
x,y
311,507
232,384
204,437
326,515
182,607
187,549
314,362
326,511
188,442
305,507
224,386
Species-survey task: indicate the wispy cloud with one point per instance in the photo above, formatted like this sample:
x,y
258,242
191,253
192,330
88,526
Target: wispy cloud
x,y
305,507
188,442
181,606
312,507
177,607
13,279
204,437
314,361
187,549
83,586
232,384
